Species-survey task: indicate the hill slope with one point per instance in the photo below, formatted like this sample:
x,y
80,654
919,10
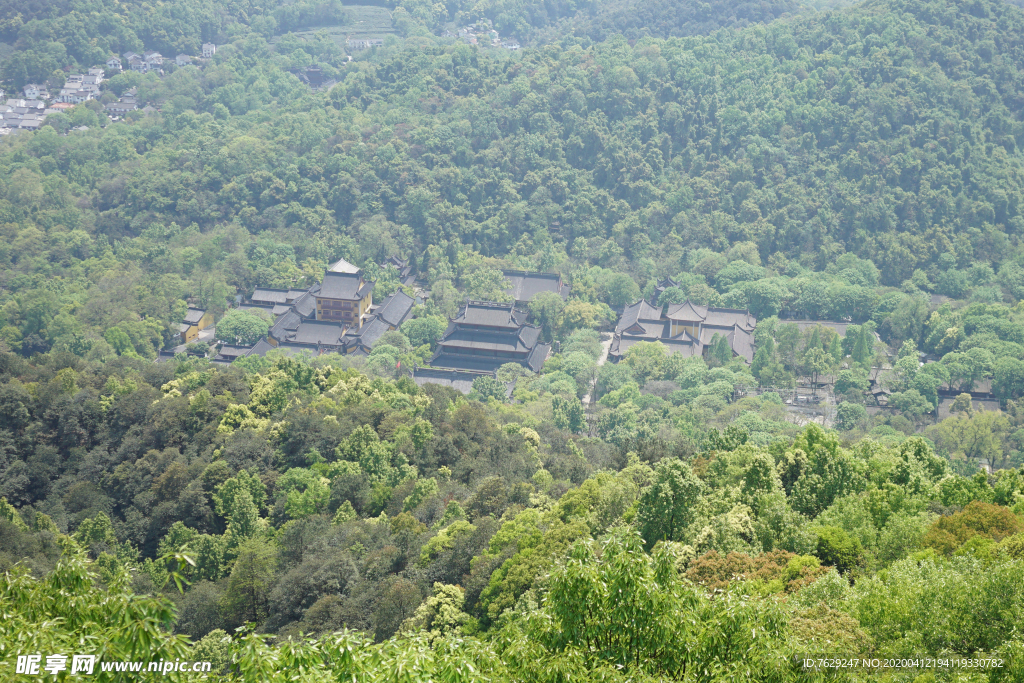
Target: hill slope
x,y
889,130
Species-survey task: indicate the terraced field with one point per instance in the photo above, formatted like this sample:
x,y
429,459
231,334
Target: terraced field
x,y
365,21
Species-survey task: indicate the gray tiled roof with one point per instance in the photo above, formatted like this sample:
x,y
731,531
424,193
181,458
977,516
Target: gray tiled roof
x,y
718,317
741,341
665,283
395,308
643,322
404,269
267,295
655,329
728,317
305,305
490,314
685,346
194,315
686,312
315,333
460,380
262,347
285,325
349,286
534,360
487,335
231,351
524,286
368,334
499,341
343,266
268,309
633,313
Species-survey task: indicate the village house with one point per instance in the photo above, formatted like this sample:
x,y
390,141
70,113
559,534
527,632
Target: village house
x,y
34,91
20,114
209,50
486,335
20,118
30,105
122,106
195,320
75,94
114,63
31,122
89,81
363,43
153,58
182,60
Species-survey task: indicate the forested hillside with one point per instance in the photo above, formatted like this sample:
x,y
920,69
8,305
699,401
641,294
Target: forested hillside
x,y
312,499
659,19
859,166
48,33
892,135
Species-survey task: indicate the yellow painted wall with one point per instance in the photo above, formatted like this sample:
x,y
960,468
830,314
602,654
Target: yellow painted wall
x,y
679,328
360,310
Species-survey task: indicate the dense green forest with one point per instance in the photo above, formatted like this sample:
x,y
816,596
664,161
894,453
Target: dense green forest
x,y
656,18
313,499
861,164
891,136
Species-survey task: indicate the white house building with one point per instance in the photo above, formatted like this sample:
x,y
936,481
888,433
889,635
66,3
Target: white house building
x,y
34,91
